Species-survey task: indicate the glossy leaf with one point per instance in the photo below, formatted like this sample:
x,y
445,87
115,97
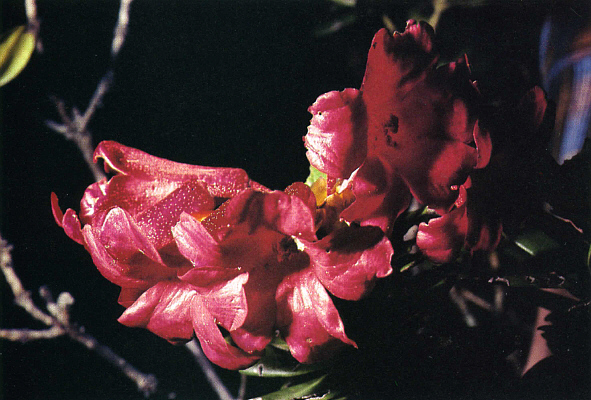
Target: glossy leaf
x,y
16,49
535,242
278,364
296,391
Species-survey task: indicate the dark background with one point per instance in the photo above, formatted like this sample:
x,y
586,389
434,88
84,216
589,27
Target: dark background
x,y
219,83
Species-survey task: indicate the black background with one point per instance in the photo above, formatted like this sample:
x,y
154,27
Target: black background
x,y
219,83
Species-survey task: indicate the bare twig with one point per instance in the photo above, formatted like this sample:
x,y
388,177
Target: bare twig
x,y
242,388
121,27
58,321
75,127
213,378
33,22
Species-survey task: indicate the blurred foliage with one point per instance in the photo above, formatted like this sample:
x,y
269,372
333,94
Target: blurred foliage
x,y
16,48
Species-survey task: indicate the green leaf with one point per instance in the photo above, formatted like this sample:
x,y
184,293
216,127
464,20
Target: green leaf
x,y
535,242
314,176
16,49
279,343
279,365
296,391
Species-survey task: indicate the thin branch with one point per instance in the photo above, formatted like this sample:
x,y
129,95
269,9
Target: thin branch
x,y
212,377
22,297
26,335
242,388
121,28
58,321
33,22
75,127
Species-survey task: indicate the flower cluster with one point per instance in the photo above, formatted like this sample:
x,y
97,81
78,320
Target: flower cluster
x,y
208,252
196,249
411,130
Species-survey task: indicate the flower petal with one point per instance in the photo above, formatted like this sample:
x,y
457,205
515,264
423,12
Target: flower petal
x,y
198,246
258,328
137,271
308,318
442,238
380,196
277,211
164,309
348,261
213,343
337,138
69,221
220,182
123,239
157,221
226,301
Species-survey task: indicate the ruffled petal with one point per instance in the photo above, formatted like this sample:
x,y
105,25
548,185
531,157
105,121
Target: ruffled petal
x,y
308,318
123,239
212,341
258,328
164,309
302,191
220,182
205,254
277,211
137,271
226,301
337,135
442,238
157,221
380,196
395,64
348,261
69,221
174,310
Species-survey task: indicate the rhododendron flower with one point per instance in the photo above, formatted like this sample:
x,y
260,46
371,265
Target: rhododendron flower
x,y
411,130
475,221
442,238
196,249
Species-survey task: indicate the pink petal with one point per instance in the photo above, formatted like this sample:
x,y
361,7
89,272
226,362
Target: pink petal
x,y
395,63
138,271
69,221
173,310
302,191
123,239
128,296
348,261
277,211
213,343
308,318
220,182
442,238
198,246
226,301
164,309
337,139
380,196
157,221
258,328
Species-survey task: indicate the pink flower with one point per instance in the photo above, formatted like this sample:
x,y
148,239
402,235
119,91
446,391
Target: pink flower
x,y
412,129
271,236
442,238
196,249
475,221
